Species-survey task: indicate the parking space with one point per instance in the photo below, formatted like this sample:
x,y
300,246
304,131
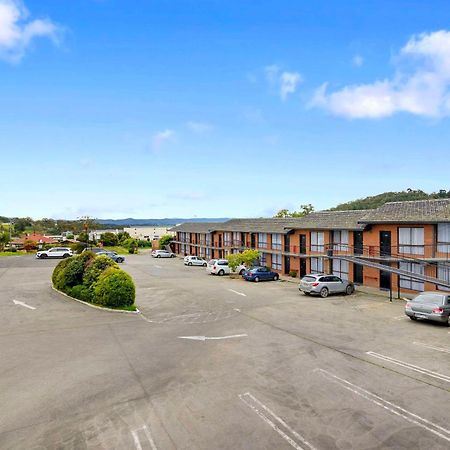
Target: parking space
x,y
215,362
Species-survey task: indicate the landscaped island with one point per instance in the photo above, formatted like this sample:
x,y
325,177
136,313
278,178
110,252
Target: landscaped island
x,y
95,279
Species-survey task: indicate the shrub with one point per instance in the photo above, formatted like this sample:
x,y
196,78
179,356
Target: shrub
x,y
114,288
164,240
293,273
109,239
58,279
94,279
95,268
80,292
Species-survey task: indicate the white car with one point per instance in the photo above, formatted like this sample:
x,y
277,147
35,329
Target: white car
x,y
194,261
162,254
56,252
220,267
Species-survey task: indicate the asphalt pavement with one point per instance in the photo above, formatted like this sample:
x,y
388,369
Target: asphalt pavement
x,y
215,363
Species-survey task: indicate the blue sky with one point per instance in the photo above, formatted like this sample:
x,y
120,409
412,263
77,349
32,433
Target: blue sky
x,y
213,108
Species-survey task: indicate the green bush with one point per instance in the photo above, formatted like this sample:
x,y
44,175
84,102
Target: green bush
x,y
95,268
78,247
58,278
94,279
114,288
293,273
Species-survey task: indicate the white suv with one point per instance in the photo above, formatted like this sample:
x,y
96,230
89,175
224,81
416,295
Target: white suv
x,y
162,254
56,252
194,261
220,267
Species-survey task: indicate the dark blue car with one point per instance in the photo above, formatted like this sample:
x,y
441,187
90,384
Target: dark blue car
x,y
260,274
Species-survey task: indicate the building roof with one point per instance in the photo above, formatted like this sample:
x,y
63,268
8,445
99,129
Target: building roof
x,y
35,237
196,227
417,211
329,220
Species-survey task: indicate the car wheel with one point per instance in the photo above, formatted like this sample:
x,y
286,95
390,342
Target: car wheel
x,y
189,263
349,290
66,255
305,293
242,272
275,277
204,264
119,260
413,317
256,279
221,272
43,256
172,256
158,256
324,292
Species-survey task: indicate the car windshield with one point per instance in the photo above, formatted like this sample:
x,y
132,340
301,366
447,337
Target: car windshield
x,y
212,262
437,299
307,278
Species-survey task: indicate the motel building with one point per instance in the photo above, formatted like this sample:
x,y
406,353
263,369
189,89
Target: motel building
x,y
403,246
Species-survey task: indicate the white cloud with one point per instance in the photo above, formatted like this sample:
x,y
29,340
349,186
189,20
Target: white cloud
x,y
161,137
199,127
357,60
286,82
423,88
16,33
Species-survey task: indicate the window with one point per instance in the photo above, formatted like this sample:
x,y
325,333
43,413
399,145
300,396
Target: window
x,y
208,239
443,238
202,239
188,237
276,241
443,273
276,261
340,240
263,259
202,252
237,238
317,240
208,252
411,240
409,283
316,265
262,240
227,239
340,268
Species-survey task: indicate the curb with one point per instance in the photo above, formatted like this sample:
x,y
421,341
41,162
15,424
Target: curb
x,y
95,306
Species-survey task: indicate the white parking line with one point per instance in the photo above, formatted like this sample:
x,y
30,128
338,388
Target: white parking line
x,y
148,435
238,293
248,399
439,349
389,406
406,365
157,267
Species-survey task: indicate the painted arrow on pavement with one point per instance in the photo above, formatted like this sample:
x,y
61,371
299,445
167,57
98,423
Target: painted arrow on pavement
x,y
16,302
212,338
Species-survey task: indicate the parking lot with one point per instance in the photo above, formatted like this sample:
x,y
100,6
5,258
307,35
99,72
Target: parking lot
x,y
215,363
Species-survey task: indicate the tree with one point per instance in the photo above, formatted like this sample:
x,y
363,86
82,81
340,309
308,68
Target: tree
x,y
304,211
122,236
83,237
164,240
4,239
109,239
247,257
21,224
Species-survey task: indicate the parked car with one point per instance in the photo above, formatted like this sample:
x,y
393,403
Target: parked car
x,y
323,284
260,274
113,255
162,254
430,306
220,267
194,261
55,252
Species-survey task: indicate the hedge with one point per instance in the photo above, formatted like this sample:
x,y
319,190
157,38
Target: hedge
x,y
97,280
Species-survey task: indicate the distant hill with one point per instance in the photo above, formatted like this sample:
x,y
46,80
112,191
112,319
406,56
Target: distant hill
x,y
380,199
158,222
